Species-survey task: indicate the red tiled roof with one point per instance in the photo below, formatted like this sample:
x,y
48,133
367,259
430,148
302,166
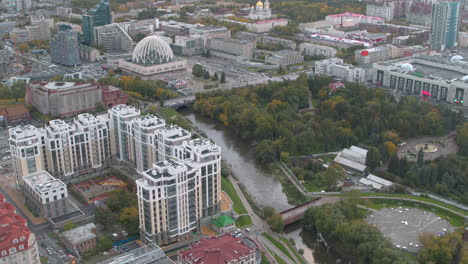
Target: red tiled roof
x,y
216,250
13,228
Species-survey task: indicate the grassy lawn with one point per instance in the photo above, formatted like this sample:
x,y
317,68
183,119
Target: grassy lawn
x,y
278,245
454,220
311,187
278,259
295,197
291,247
264,259
168,113
419,198
227,186
44,260
244,221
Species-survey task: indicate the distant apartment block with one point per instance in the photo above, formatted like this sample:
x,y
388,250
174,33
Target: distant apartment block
x,y
325,66
231,48
375,54
285,57
113,38
383,11
317,50
65,48
445,25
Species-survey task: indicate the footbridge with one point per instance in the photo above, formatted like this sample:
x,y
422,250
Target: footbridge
x,y
295,214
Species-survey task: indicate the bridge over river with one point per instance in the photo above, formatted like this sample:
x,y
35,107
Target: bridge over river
x,y
295,214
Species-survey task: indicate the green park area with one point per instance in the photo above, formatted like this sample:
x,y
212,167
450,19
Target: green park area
x,y
237,205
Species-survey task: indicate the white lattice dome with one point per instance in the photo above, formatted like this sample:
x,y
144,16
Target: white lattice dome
x,y
465,78
456,58
407,67
152,50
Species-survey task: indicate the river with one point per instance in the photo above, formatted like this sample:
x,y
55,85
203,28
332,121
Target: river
x,y
261,184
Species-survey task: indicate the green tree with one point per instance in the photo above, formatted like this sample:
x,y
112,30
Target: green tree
x,y
441,250
69,226
198,70
18,90
104,243
223,77
105,218
420,160
373,158
280,70
100,107
268,212
206,75
332,175
215,77
276,223
462,139
129,218
120,199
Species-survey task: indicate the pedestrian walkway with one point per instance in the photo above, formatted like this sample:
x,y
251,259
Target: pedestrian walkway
x,y
275,250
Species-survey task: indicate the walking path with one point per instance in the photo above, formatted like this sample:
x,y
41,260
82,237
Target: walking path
x,y
414,200
275,250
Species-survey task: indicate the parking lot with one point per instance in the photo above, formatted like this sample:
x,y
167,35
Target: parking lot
x,y
403,226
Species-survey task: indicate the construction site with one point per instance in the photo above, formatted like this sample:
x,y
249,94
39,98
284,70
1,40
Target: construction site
x,y
99,188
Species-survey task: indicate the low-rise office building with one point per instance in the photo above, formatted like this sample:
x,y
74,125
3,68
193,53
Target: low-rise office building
x,y
371,55
285,43
439,78
317,50
285,57
325,66
382,11
45,194
233,49
80,239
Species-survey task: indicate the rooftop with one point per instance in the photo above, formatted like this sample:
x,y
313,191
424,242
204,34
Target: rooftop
x,y
215,250
430,67
13,229
125,110
147,254
43,181
223,221
80,234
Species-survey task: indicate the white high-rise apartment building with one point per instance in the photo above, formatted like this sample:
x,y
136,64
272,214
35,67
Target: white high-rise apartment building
x,y
144,141
176,193
27,151
120,117
181,176
62,149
